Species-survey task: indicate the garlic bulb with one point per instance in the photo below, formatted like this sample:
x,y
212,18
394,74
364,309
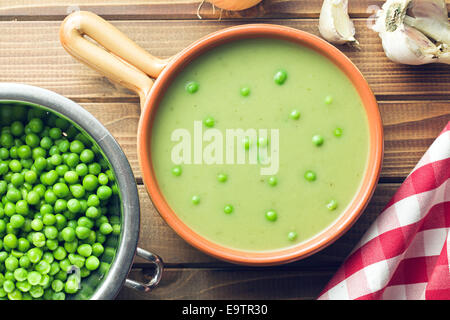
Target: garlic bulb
x,y
414,32
335,24
235,5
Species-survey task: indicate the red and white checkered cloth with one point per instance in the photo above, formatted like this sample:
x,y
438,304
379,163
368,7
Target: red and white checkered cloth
x,y
405,253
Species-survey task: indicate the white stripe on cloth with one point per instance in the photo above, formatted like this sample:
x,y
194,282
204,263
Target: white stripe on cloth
x,y
439,150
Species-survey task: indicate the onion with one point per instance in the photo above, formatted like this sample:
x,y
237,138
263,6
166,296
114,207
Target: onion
x,y
235,5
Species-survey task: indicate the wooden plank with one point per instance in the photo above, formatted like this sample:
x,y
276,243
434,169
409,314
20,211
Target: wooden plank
x,y
30,52
235,284
157,237
410,127
171,9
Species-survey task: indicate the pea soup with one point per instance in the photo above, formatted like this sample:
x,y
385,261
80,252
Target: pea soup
x,y
260,144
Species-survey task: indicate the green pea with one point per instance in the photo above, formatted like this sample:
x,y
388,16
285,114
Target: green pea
x,y
17,221
24,285
317,140
222,177
104,192
38,239
310,175
17,128
209,122
92,263
68,234
292,235
245,91
36,291
60,253
10,240
176,171
97,249
24,152
87,156
332,205
82,169
23,244
93,200
337,132
228,209
106,228
84,250
271,215
73,205
43,267
92,212
57,285
82,232
11,263
55,133
49,219
272,181
280,77
8,286
295,114
195,199
192,87
50,232
33,198
22,207
36,125
35,254
71,285
103,179
32,140
247,142
76,146
328,100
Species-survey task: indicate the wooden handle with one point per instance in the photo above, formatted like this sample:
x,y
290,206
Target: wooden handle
x,y
116,56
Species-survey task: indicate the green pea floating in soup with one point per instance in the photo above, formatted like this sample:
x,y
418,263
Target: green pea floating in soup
x,y
195,199
176,171
271,215
222,177
310,175
192,87
280,77
209,122
317,140
294,115
228,209
245,91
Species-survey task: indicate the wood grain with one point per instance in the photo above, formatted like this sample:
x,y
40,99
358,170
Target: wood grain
x,y
171,9
409,128
30,52
235,284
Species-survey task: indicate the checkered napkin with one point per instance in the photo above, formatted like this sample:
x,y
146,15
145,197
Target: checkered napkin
x,y
406,252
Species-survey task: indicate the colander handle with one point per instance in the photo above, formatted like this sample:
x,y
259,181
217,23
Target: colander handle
x,y
114,55
154,281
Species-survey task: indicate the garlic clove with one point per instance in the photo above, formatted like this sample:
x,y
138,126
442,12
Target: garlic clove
x,y
335,24
430,17
414,32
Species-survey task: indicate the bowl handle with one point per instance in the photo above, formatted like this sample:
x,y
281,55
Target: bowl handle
x,y
115,55
154,281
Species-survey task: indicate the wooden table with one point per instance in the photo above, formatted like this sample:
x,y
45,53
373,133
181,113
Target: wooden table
x,y
414,103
